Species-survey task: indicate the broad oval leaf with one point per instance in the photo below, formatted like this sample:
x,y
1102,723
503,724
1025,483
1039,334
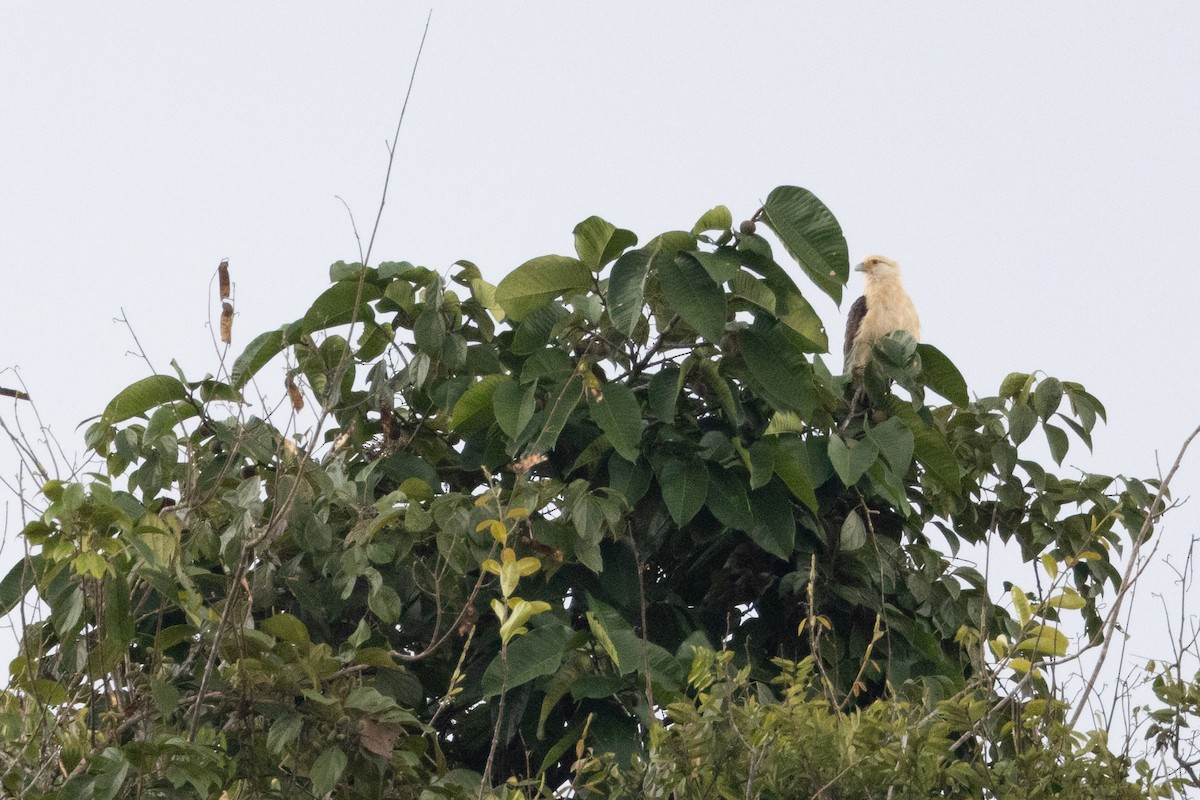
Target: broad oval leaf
x,y
533,654
684,488
695,296
627,290
618,413
538,281
327,770
474,408
812,235
854,532
728,501
781,375
598,242
141,396
942,376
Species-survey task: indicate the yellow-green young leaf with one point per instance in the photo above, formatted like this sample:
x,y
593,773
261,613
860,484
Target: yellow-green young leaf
x,y
784,422
509,574
999,646
601,634
496,528
1044,640
520,612
528,566
1050,564
1021,665
287,627
1068,598
517,513
498,606
1021,603
92,564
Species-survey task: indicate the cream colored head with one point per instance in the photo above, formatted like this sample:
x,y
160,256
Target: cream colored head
x,y
879,267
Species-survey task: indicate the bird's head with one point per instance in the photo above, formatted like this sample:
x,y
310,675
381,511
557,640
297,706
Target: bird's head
x,y
878,267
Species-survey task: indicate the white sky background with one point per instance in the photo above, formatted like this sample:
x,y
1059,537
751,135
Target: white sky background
x,y
1034,170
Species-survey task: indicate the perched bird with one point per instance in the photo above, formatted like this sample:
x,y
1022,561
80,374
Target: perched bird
x,y
884,307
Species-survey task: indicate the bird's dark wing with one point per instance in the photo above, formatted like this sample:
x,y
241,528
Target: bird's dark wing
x,y
853,322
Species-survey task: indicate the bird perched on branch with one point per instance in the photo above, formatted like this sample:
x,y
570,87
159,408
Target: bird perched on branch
x,y
884,307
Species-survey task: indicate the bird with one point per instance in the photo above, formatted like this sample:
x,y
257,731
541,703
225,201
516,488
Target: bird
x,y
884,307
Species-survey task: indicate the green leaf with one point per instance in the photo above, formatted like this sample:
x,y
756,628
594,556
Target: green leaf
x,y
513,406
775,520
753,290
727,499
284,731
792,466
141,396
684,488
601,634
261,349
929,445
561,405
663,392
791,308
689,290
895,442
576,666
626,290
532,655
942,376
721,265
812,235
780,374
287,627
1057,439
1021,419
1047,397
534,331
715,219
854,532
474,408
851,459
540,280
18,582
339,304
619,415
327,770
598,242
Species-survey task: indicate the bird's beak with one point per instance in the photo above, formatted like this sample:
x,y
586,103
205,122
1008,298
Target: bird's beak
x,y
859,267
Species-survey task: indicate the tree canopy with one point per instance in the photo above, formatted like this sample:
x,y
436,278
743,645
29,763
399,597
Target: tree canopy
x,y
610,524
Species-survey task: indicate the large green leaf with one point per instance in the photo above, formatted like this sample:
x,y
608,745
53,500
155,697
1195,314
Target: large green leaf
x,y
598,242
18,582
141,396
929,445
775,520
684,488
560,405
695,296
780,374
261,349
530,655
792,465
327,770
513,406
474,408
626,290
812,235
942,376
790,306
727,499
339,304
851,459
616,410
540,280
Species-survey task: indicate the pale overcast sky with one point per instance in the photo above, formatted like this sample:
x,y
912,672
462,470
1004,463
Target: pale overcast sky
x,y
1033,167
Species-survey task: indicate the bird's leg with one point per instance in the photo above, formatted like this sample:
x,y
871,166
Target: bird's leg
x,y
853,407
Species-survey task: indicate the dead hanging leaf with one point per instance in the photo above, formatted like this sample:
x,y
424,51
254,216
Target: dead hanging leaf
x,y
223,278
16,394
378,737
227,322
527,463
294,392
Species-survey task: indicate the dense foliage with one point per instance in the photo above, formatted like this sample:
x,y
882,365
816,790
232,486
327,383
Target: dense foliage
x,y
611,523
